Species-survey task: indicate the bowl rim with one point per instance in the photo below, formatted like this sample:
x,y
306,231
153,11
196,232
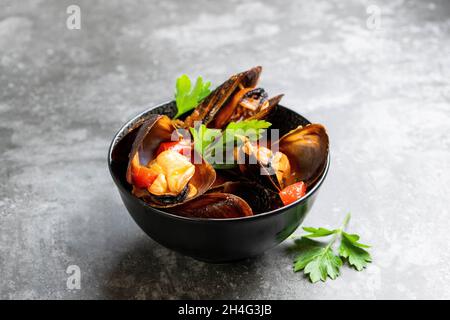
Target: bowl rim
x,y
208,220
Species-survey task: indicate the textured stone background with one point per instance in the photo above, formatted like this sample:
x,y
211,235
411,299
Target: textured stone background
x,y
383,94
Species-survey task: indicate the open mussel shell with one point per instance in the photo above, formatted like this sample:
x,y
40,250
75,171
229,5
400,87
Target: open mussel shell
x,y
256,106
214,206
227,175
207,110
164,200
157,129
252,168
263,114
307,150
259,198
120,152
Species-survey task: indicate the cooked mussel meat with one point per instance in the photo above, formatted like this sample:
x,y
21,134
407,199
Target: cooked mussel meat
x,y
272,169
160,165
300,156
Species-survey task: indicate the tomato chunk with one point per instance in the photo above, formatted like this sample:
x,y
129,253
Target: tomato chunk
x,y
141,175
178,146
293,192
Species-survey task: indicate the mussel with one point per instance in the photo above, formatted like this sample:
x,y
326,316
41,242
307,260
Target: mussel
x,y
258,197
307,150
301,156
246,104
165,178
214,205
271,169
236,99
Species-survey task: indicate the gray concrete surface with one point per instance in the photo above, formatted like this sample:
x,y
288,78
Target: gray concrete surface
x,y
383,94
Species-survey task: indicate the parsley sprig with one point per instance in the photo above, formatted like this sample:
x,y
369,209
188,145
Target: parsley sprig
x,y
318,260
187,98
209,141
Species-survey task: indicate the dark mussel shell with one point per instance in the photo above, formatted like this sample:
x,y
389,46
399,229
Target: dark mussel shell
x,y
214,206
307,150
166,200
118,153
157,129
227,175
259,198
252,168
208,108
263,114
233,112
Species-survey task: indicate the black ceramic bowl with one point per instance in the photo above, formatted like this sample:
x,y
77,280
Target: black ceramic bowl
x,y
211,240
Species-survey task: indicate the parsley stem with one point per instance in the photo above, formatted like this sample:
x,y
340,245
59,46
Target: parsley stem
x,y
346,221
333,240
339,231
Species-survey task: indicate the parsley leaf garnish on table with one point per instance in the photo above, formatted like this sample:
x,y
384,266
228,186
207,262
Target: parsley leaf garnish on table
x,y
207,141
318,260
188,99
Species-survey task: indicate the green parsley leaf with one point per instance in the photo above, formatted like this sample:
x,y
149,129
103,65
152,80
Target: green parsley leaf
x,y
326,264
209,141
186,98
203,137
318,260
353,251
318,232
252,129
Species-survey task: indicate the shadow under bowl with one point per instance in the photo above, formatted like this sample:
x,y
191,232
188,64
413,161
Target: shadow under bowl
x,y
210,240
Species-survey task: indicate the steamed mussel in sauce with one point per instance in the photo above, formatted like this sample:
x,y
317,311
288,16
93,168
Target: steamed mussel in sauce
x,y
160,166
166,170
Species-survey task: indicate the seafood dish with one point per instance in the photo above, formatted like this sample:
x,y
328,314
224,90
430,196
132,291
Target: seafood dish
x,y
222,156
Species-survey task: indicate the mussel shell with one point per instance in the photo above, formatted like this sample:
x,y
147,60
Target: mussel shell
x,y
208,108
263,114
168,199
307,150
258,92
120,153
157,129
252,168
259,198
227,175
214,206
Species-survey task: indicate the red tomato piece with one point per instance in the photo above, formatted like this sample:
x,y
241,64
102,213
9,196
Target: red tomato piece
x,y
142,176
293,192
180,147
